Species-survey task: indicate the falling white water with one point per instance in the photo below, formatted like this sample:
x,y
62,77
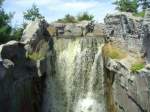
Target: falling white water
x,y
75,81
93,70
88,105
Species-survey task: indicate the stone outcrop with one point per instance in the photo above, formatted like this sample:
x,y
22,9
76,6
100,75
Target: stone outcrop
x,y
130,91
20,84
126,28
146,40
70,30
127,91
18,80
123,25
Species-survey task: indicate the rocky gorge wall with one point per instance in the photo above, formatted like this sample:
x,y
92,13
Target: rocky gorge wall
x,y
130,90
70,73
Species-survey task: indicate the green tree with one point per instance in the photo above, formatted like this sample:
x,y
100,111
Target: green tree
x,y
16,33
85,16
1,1
68,19
126,5
33,13
144,4
5,28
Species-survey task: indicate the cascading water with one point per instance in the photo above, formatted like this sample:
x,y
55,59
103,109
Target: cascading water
x,y
75,80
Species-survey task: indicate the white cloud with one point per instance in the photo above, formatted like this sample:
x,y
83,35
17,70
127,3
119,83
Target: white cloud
x,y
54,9
23,2
80,5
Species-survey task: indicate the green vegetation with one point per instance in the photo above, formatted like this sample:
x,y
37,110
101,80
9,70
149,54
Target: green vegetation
x,y
139,14
40,52
74,19
5,28
132,6
136,66
144,4
113,52
8,33
126,5
17,33
33,13
68,19
85,16
36,56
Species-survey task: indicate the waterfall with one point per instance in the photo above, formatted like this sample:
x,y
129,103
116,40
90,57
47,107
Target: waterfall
x,y
75,76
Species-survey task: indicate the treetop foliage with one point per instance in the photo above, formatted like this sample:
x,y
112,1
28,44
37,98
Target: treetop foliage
x,y
33,13
144,4
7,33
73,19
132,6
126,5
85,16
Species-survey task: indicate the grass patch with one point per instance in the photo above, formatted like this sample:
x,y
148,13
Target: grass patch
x,y
40,52
139,14
136,66
113,52
36,56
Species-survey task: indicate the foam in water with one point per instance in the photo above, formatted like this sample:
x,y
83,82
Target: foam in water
x,y
88,105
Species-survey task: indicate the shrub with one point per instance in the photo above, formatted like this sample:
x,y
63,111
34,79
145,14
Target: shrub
x,y
136,66
113,52
40,52
68,19
85,16
36,56
126,5
139,14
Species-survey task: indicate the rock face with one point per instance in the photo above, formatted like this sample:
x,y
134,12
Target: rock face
x,y
20,84
70,30
146,30
18,80
126,28
130,90
123,25
127,91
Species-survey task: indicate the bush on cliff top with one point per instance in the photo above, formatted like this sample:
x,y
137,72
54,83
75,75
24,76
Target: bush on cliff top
x,y
74,19
113,52
139,14
137,66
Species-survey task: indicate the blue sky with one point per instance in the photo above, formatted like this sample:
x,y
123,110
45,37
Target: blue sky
x,y
55,9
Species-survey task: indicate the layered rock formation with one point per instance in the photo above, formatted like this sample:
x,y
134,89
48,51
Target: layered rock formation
x,y
129,90
126,28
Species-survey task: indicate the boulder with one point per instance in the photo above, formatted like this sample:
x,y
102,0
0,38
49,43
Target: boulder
x,y
20,76
72,30
125,28
121,24
34,32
